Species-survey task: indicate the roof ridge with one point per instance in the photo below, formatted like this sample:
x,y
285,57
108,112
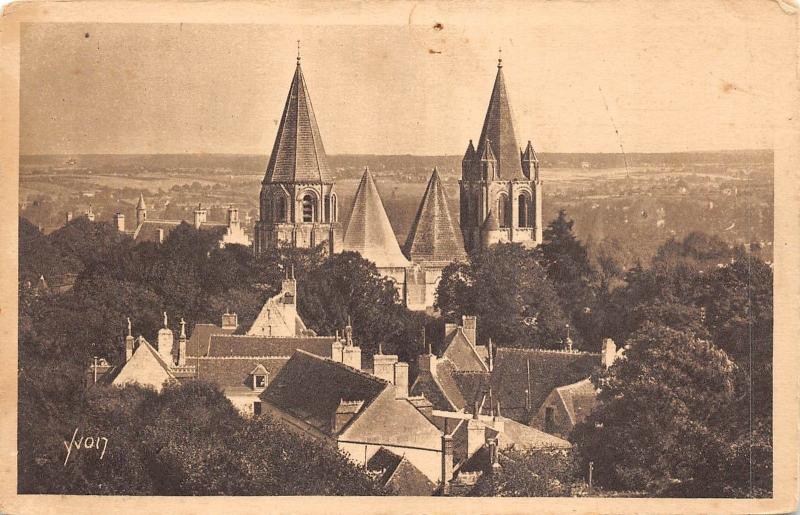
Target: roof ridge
x,y
341,365
241,357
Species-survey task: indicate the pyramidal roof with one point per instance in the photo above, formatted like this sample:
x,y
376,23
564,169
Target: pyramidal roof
x,y
433,235
298,154
498,132
369,231
141,204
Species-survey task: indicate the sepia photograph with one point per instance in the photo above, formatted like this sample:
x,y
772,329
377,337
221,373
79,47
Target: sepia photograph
x,y
402,250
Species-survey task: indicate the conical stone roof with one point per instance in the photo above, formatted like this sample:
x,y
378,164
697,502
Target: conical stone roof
x,y
369,232
498,132
433,236
298,154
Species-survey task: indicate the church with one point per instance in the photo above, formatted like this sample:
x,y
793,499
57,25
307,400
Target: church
x,y
500,200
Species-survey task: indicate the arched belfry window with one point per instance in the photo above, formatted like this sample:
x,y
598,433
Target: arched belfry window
x,y
503,211
280,208
308,208
334,214
327,207
524,210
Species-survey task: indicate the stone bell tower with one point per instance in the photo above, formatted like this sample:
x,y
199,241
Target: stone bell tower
x,y
501,197
298,204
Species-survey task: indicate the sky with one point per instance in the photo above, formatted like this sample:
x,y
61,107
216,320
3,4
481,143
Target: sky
x,y
580,78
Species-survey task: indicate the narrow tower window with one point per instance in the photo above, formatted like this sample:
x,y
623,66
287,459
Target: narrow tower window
x,y
333,208
523,211
503,211
308,208
327,208
280,208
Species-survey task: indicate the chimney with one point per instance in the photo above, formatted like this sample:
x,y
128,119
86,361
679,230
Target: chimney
x,y
337,348
609,352
383,365
69,217
400,380
182,344
427,362
119,222
289,285
351,356
490,354
165,341
161,235
230,321
199,216
449,330
469,324
447,462
476,432
233,216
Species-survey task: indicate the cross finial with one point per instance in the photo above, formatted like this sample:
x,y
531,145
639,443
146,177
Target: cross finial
x,y
129,327
500,57
298,52
183,328
165,319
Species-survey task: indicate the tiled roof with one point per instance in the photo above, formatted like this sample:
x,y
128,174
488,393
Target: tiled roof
x,y
445,374
526,437
548,370
311,388
241,345
433,236
298,154
235,372
462,353
369,231
398,475
472,385
579,398
498,131
426,385
197,345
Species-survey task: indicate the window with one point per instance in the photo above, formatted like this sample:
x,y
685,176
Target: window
x,y
549,420
280,208
327,208
333,208
259,381
308,208
523,210
257,408
503,211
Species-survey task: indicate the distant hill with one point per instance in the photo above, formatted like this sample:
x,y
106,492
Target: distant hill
x,y
254,164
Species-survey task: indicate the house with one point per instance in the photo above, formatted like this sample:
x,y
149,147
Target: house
x,y
397,475
333,401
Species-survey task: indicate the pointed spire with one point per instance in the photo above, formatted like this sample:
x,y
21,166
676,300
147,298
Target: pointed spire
x,y
487,155
433,236
298,52
141,205
369,231
469,155
298,154
498,128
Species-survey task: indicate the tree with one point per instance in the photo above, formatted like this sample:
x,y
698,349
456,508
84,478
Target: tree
x,y
510,293
566,261
529,473
661,407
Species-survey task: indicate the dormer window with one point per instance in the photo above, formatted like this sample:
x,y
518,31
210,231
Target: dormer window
x,y
259,377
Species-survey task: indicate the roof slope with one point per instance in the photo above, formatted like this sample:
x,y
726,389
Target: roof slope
x,y
433,236
241,345
526,437
201,337
398,475
311,388
298,154
235,372
369,231
548,370
579,399
498,132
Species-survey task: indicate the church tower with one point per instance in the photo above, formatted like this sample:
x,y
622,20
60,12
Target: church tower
x,y
298,204
501,197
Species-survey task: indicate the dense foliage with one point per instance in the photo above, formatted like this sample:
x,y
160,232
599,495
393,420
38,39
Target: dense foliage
x,y
529,473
